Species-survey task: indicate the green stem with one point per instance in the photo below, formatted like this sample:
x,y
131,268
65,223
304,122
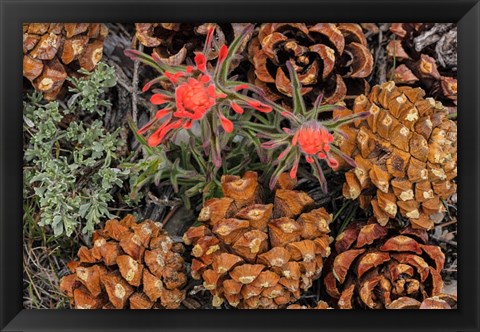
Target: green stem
x,y
341,210
255,126
349,218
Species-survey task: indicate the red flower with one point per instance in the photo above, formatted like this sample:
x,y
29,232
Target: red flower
x,y
311,139
223,53
241,87
201,62
157,137
174,77
159,99
195,95
194,99
197,89
236,107
226,124
314,139
259,106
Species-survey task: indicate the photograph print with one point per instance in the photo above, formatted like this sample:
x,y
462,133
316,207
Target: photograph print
x,y
239,166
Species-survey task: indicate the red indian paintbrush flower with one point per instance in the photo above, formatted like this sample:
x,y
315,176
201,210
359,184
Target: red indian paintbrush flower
x,y
314,140
194,98
307,136
198,90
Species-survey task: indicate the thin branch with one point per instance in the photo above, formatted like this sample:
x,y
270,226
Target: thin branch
x,y
452,243
136,65
451,222
170,215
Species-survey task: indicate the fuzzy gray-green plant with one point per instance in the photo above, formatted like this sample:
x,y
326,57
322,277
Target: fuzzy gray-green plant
x,y
70,167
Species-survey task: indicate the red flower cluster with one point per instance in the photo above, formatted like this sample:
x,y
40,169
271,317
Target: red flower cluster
x,y
311,139
314,139
195,95
194,98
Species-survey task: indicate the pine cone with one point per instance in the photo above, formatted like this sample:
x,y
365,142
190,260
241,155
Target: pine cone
x,y
131,265
256,254
52,52
374,265
319,305
174,42
440,301
330,59
405,152
426,57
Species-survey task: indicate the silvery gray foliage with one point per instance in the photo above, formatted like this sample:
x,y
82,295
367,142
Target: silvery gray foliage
x,y
70,167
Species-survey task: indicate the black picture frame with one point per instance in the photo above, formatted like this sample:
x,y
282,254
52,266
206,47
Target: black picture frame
x,y
13,12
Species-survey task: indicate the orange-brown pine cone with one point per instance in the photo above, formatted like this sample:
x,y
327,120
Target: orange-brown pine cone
x,y
130,266
318,306
373,266
440,301
330,59
426,57
406,155
173,42
52,52
255,254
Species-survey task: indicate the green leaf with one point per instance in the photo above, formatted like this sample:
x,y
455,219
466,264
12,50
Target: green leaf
x,y
67,171
335,123
298,102
232,50
84,209
139,137
158,65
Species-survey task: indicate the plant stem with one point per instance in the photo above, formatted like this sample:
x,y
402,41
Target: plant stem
x,y
135,86
394,57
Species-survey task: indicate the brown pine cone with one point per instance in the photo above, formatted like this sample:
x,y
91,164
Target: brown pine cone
x,y
374,265
256,254
52,52
426,57
319,305
440,301
174,42
330,59
131,265
406,155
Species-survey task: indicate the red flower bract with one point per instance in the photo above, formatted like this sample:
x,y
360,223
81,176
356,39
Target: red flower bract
x,y
193,99
313,138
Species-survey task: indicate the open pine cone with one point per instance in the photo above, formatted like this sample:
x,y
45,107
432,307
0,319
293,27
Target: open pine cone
x,y
374,265
405,152
330,59
131,265
256,254
440,301
173,42
318,306
52,52
426,57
